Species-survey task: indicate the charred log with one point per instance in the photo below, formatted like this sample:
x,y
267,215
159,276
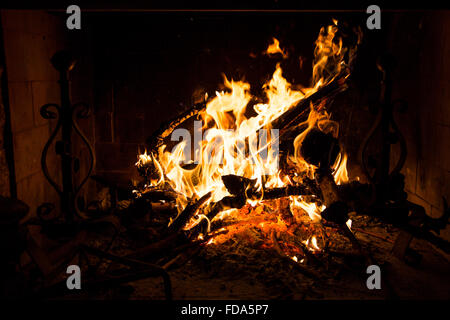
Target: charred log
x,y
157,139
289,120
187,214
321,150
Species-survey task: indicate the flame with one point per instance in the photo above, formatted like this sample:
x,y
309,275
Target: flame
x,y
230,142
146,161
340,175
311,209
312,245
349,224
274,48
228,131
328,55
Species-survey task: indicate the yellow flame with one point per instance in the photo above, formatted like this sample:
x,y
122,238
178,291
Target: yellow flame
x,y
349,224
328,55
340,175
229,141
274,48
147,160
312,245
311,209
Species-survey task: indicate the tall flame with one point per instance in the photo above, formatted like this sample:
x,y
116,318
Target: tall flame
x,y
229,142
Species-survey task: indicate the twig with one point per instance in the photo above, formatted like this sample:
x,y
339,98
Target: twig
x,y
163,245
183,257
373,235
187,213
299,267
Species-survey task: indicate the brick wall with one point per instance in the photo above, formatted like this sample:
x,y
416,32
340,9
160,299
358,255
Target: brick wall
x,y
30,39
4,170
423,79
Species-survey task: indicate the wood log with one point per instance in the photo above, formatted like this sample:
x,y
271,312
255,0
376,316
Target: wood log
x,y
187,214
162,246
238,201
302,269
159,194
287,120
157,138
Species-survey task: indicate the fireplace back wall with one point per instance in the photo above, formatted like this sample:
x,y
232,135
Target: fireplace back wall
x,y
421,44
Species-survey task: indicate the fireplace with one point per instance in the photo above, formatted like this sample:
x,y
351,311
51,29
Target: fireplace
x,y
225,154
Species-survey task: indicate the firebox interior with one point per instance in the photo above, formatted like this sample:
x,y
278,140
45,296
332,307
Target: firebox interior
x,y
92,174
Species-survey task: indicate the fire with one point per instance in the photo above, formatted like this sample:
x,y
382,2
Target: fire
x,y
349,224
228,131
274,48
230,145
328,55
340,174
311,209
144,162
312,245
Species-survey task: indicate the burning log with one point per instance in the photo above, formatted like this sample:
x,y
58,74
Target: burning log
x,y
157,139
187,213
286,109
239,200
289,120
237,185
336,212
310,257
154,195
299,267
321,149
229,202
276,193
240,186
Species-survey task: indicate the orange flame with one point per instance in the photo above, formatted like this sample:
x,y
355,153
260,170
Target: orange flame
x,y
229,143
274,48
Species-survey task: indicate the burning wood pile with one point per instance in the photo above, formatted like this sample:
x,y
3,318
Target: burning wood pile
x,y
266,172
269,166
